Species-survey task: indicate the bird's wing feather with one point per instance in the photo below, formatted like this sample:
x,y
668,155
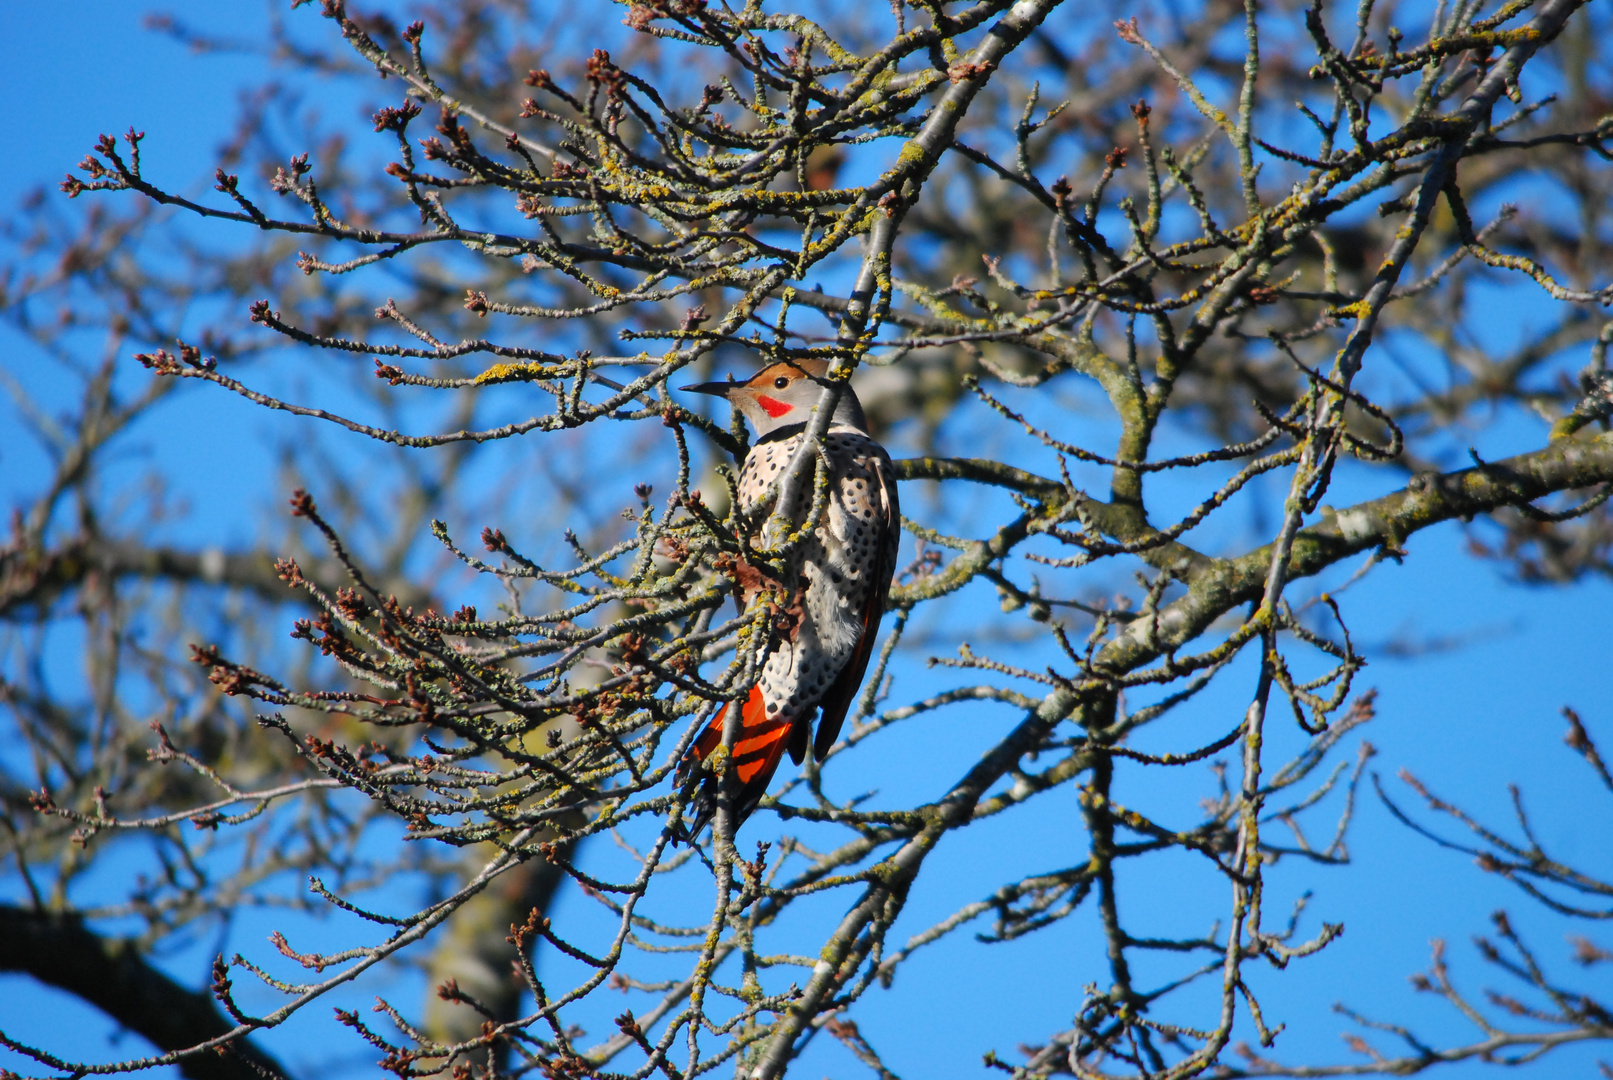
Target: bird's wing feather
x,y
841,692
758,747
800,735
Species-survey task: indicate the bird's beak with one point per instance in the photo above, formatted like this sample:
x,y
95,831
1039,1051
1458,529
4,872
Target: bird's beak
x,y
716,389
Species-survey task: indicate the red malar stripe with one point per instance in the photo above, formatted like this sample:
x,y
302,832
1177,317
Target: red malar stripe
x,y
775,408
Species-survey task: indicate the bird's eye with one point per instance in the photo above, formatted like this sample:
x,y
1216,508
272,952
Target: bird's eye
x,y
780,383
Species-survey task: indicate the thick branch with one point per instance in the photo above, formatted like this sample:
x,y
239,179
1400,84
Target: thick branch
x,y
110,974
1428,500
35,578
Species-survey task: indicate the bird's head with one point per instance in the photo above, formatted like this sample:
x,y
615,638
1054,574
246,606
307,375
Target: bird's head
x,y
783,394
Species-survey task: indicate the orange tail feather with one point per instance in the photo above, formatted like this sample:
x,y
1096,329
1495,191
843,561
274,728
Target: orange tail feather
x,y
758,749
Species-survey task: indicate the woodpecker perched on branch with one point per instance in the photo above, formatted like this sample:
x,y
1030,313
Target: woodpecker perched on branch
x,y
840,574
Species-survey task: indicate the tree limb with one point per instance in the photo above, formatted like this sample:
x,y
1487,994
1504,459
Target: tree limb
x,y
108,973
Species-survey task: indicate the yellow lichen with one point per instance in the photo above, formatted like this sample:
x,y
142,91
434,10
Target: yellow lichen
x,y
500,373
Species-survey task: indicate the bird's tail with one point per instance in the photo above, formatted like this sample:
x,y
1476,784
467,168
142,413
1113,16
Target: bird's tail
x,y
758,748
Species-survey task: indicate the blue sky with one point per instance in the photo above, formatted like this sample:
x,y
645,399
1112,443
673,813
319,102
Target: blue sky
x,y
1468,719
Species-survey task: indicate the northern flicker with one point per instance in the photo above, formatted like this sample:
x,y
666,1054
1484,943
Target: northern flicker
x,y
841,573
